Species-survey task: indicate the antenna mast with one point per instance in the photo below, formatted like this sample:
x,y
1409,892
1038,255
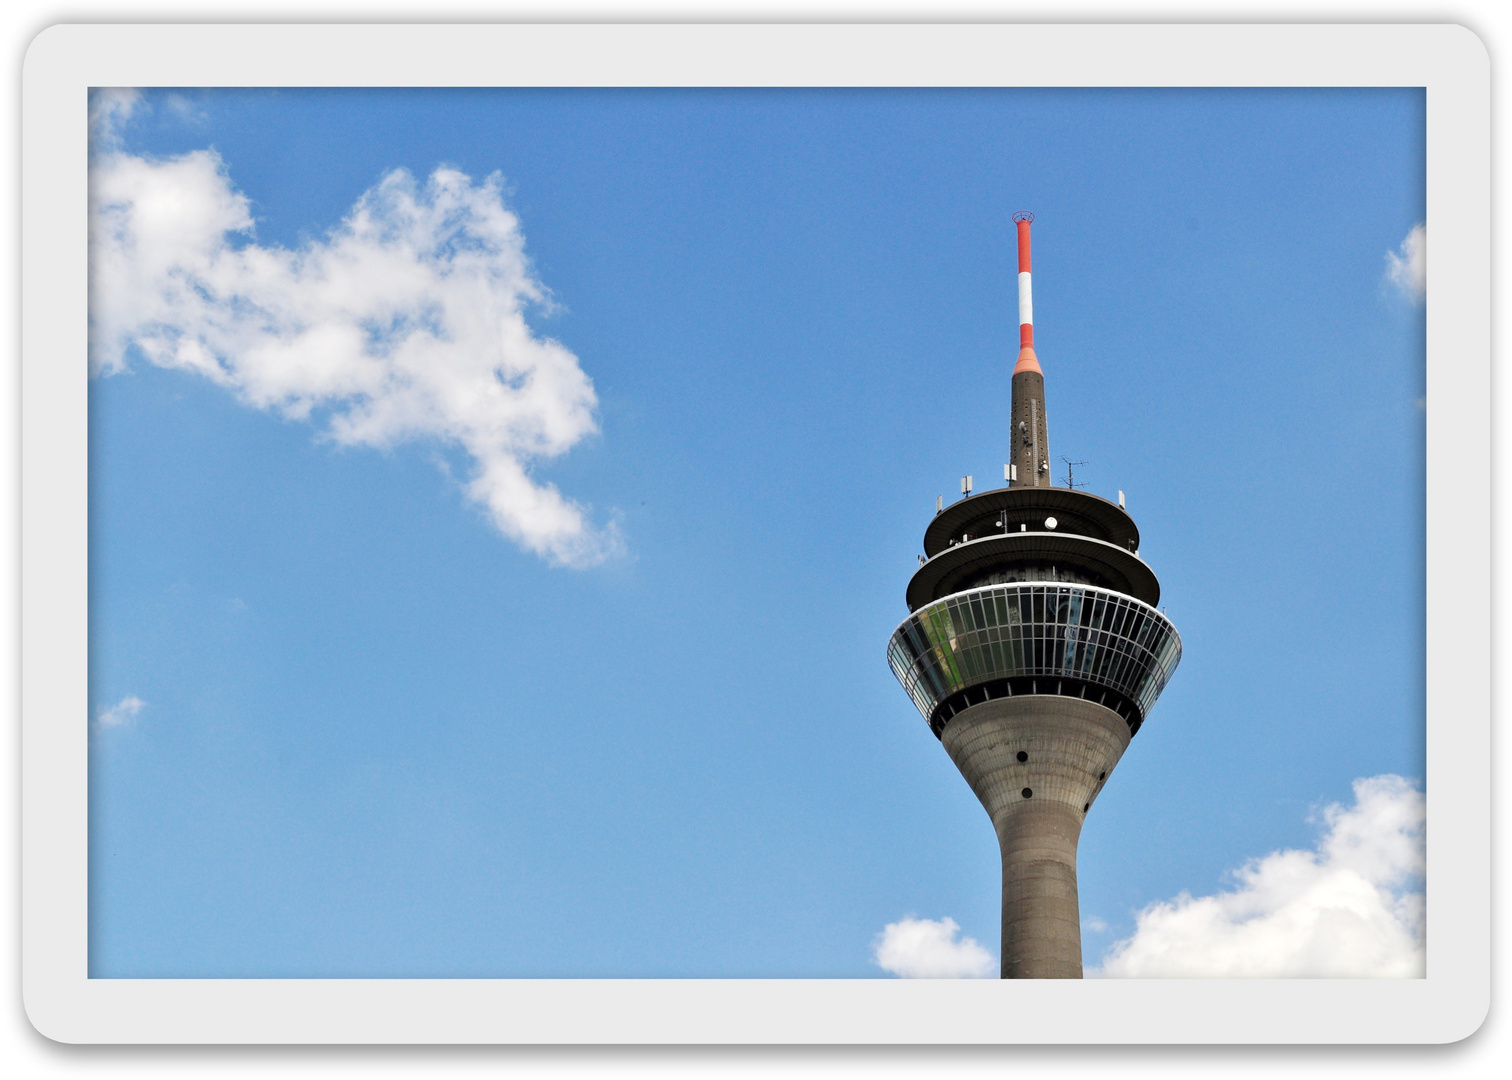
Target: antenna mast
x,y
1029,434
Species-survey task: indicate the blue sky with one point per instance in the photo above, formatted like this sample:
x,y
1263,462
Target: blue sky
x,y
357,713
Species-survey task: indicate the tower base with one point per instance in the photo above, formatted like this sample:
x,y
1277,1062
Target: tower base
x,y
1069,747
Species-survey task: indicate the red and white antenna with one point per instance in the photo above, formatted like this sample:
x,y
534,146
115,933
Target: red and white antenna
x,y
1027,361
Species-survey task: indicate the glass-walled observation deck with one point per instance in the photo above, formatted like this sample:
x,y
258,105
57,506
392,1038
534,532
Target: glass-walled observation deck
x,y
1003,640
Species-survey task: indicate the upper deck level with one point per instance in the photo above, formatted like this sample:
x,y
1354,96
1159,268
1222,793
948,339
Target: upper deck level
x,y
1030,509
1031,534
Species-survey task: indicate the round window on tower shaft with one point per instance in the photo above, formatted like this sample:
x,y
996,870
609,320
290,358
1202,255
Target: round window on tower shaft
x,y
1022,756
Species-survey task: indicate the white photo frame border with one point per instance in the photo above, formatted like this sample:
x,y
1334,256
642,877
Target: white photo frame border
x,y
63,1003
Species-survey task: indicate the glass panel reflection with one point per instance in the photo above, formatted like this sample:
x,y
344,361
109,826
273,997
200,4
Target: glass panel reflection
x,y
1010,630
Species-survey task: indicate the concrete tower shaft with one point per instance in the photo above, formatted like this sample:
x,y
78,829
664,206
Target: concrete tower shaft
x,y
1034,650
1037,765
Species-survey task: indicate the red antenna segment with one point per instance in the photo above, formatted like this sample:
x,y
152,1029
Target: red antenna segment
x,y
1027,361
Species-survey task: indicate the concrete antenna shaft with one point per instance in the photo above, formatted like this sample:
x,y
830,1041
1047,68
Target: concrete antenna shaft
x,y
1027,361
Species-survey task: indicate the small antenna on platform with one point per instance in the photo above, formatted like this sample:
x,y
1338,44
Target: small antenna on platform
x,y
965,485
939,504
1120,500
1070,474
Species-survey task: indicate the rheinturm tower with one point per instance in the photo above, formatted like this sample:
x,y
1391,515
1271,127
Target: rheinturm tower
x,y
1035,650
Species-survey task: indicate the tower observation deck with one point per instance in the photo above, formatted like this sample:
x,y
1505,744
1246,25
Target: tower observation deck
x,y
1035,651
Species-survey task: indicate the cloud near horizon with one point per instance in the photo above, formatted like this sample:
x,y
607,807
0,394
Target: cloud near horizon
x,y
1407,267
1350,908
928,949
404,323
122,712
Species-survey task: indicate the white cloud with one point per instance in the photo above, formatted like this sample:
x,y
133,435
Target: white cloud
x,y
1407,267
405,323
122,712
1351,908
109,108
925,949
184,110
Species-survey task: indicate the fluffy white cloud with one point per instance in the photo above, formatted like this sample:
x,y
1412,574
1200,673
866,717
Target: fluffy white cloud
x,y
1407,267
122,712
925,949
109,108
406,322
1351,908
